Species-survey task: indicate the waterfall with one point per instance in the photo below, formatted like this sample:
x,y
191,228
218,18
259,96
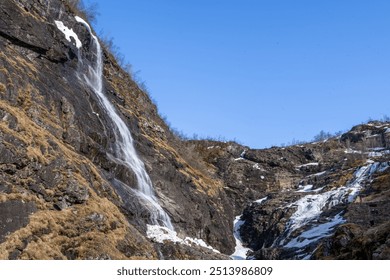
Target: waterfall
x,y
124,148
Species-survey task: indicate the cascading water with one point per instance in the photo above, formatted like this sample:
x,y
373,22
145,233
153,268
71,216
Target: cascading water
x,y
125,151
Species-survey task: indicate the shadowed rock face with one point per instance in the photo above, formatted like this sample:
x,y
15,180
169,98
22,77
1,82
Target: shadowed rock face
x,y
59,194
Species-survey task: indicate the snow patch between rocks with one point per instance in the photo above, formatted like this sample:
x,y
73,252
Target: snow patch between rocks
x,y
261,200
240,252
318,232
160,234
308,188
69,33
378,153
317,174
310,207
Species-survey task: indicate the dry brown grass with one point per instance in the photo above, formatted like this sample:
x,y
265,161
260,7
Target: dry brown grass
x,y
2,88
202,180
380,188
31,13
17,63
24,98
50,233
344,179
32,134
3,70
201,173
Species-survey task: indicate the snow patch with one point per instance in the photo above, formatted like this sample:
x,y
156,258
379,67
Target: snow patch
x,y
383,166
379,153
261,200
350,151
160,234
315,233
373,135
308,164
213,147
240,251
318,174
307,188
242,155
377,149
311,206
69,33
256,166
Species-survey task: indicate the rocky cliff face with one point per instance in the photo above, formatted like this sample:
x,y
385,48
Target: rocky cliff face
x,y
61,191
319,200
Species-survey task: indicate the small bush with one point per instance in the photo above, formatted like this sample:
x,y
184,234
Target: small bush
x,y
109,45
385,118
89,12
322,135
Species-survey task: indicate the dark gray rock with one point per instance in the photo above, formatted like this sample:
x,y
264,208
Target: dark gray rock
x,y
14,214
76,194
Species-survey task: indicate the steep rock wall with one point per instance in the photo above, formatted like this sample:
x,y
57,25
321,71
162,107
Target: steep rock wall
x,y
55,141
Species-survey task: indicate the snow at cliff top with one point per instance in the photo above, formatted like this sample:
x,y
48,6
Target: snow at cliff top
x,y
68,32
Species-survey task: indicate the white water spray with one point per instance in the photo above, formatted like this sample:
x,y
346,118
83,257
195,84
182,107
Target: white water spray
x,y
126,153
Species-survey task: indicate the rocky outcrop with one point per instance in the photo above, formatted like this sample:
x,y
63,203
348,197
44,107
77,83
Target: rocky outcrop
x,y
282,178
270,187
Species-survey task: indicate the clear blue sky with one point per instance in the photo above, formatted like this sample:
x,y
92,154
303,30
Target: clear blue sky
x,y
261,71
